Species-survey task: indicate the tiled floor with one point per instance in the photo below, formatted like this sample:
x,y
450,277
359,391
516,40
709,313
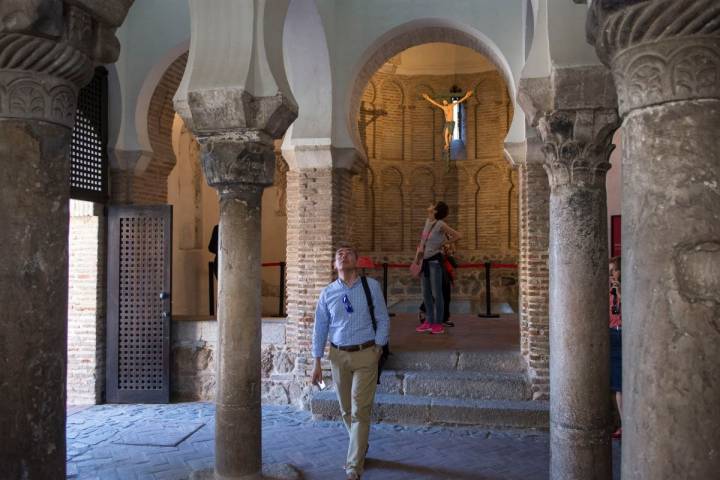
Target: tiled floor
x,y
128,442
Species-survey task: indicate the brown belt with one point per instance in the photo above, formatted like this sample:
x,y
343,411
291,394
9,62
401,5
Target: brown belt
x,y
354,348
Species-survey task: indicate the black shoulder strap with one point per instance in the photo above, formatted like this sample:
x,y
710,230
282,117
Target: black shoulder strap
x,y
368,297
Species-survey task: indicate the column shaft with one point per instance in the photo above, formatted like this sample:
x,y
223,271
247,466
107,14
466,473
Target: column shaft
x,y
665,57
579,366
34,173
671,291
577,145
238,449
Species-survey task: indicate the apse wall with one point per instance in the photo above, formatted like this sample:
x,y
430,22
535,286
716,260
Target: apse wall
x,y
402,136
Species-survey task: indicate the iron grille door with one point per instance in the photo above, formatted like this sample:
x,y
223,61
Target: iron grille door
x,y
139,315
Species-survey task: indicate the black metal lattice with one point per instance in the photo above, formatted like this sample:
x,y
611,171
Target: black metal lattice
x,y
141,325
88,146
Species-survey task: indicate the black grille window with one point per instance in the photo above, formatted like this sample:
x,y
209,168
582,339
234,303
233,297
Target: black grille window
x,y
88,147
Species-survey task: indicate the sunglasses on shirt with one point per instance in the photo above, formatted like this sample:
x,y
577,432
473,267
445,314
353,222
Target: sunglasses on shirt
x,y
346,302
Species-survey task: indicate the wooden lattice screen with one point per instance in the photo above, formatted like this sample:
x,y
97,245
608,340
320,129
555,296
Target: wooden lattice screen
x,y
88,145
139,276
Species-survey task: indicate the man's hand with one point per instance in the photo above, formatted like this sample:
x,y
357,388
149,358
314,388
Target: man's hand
x,y
316,373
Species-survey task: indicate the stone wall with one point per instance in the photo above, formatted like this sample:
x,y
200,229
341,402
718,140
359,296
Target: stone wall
x,y
194,344
86,304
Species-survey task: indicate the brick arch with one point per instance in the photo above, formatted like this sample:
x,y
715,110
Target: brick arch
x,y
489,234
160,117
418,32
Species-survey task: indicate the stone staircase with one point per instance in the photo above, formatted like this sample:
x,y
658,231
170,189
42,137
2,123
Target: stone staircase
x,y
450,388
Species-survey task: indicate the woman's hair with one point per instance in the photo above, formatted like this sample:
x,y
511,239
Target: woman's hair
x,y
441,210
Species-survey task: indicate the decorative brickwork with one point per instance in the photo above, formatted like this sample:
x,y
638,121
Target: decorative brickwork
x,y
402,134
534,275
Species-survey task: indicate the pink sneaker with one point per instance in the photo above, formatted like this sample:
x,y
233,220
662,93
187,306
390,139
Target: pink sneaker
x,y
424,327
437,328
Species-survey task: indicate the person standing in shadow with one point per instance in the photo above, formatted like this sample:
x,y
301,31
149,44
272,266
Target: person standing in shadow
x,y
213,248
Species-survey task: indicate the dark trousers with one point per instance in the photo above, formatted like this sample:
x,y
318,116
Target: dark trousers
x,y
446,284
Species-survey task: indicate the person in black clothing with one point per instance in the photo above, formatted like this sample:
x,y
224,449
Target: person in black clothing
x,y
213,248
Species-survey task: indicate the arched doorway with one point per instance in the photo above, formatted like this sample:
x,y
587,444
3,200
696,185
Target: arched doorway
x,y
477,365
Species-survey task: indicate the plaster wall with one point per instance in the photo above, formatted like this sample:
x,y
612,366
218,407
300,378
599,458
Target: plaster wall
x,y
353,29
156,32
538,60
153,35
195,213
566,34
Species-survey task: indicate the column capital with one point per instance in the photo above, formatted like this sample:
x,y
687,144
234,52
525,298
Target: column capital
x,y
238,162
659,51
577,146
574,114
49,49
231,109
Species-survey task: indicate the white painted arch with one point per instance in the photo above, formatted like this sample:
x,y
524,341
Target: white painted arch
x,y
411,34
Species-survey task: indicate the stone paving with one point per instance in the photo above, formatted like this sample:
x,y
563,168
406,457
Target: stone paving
x,y
165,442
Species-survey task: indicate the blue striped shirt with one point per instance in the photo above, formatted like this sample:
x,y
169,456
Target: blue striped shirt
x,y
333,320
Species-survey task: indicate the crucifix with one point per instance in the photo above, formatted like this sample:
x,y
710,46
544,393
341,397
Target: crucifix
x,y
447,109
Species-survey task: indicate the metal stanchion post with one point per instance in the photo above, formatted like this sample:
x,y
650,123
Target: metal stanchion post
x,y
281,306
211,288
488,298
385,284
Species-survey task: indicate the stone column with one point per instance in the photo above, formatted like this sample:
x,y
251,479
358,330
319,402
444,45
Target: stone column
x,y
575,117
239,167
576,164
665,58
48,52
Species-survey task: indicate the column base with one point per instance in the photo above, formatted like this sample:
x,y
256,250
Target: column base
x,y
273,471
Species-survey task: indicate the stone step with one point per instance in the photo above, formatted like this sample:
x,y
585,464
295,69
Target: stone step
x,y
423,410
455,384
501,361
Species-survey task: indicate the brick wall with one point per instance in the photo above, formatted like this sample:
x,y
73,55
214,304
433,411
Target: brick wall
x,y
396,123
402,135
318,219
534,276
86,305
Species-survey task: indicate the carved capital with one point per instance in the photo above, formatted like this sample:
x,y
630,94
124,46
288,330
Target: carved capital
x,y
659,50
47,52
577,146
229,109
234,162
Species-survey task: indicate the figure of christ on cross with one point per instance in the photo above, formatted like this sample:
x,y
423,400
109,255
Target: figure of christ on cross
x,y
447,109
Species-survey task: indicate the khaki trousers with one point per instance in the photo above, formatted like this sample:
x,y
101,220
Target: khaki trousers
x,y
355,378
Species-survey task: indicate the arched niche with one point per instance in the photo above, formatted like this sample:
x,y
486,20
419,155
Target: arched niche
x,y
390,215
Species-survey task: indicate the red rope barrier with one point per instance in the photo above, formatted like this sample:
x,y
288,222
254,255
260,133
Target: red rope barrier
x,y
271,264
464,265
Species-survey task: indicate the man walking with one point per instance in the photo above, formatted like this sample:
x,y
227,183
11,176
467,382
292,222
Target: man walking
x,y
343,316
